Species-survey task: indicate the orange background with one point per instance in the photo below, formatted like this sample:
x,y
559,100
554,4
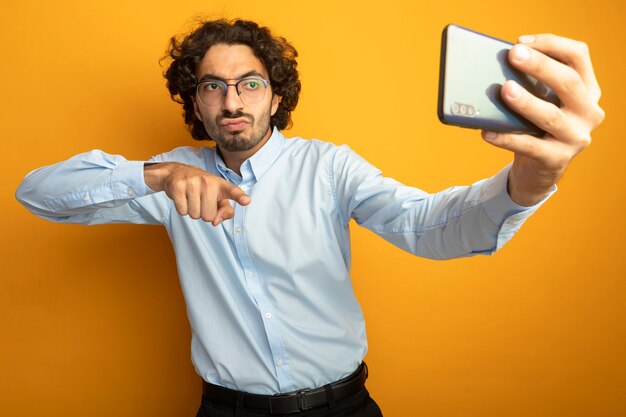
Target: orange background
x,y
92,320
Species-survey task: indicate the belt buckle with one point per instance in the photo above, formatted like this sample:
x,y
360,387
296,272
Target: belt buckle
x,y
301,395
297,400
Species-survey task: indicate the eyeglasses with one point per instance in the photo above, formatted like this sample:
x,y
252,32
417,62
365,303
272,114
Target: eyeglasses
x,y
250,90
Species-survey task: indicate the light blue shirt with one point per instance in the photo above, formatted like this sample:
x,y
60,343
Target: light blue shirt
x,y
268,293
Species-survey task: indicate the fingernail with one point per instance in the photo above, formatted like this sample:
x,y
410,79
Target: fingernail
x,y
521,53
218,221
515,91
244,200
526,39
489,135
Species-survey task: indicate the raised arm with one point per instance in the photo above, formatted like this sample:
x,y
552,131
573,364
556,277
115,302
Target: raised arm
x,y
457,222
89,188
96,187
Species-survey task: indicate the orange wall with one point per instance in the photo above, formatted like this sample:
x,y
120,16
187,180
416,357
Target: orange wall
x,y
92,320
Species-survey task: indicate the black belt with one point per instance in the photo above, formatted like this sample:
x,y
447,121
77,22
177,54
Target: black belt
x,y
292,402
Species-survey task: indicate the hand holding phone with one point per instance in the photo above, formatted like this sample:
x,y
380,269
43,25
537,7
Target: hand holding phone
x,y
472,70
564,126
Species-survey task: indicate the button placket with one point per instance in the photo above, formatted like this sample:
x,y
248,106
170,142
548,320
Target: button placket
x,y
254,285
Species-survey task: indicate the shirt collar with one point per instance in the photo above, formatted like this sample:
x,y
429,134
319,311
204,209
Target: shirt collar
x,y
261,161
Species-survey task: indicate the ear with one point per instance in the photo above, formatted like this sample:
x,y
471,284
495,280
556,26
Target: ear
x,y
275,102
196,109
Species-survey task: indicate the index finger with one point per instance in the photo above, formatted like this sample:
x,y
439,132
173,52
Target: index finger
x,y
563,79
232,192
572,53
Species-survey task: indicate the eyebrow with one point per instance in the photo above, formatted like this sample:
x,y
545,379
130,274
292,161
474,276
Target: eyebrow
x,y
217,77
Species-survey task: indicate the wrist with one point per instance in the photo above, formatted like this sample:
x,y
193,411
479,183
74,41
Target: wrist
x,y
154,173
527,195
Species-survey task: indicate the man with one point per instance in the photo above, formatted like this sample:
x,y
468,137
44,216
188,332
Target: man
x,y
260,223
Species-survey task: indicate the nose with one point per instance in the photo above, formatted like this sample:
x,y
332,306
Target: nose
x,y
232,101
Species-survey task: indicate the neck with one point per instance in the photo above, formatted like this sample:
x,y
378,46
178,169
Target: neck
x,y
234,159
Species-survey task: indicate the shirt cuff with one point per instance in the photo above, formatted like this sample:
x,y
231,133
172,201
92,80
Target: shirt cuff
x,y
127,180
502,210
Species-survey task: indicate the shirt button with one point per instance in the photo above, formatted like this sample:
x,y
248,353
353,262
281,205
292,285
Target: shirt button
x,y
130,191
280,362
85,198
250,275
238,229
268,315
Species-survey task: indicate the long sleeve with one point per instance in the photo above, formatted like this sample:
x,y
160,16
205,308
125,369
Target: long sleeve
x,y
248,275
92,188
457,222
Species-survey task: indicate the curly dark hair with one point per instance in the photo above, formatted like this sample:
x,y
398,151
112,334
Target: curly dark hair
x,y
277,55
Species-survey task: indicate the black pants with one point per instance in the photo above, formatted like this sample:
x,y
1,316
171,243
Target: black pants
x,y
358,405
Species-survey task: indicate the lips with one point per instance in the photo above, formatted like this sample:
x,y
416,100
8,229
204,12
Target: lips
x,y
234,124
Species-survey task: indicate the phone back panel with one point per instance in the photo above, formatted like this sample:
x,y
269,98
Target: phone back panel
x,y
472,70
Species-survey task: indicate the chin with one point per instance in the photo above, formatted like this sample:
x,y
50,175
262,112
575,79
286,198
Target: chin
x,y
236,144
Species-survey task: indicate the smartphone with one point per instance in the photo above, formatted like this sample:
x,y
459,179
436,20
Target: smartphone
x,y
472,70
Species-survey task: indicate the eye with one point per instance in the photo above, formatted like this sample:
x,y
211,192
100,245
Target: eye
x,y
212,86
251,85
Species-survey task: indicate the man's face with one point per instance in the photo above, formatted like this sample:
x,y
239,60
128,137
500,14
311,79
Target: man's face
x,y
232,124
